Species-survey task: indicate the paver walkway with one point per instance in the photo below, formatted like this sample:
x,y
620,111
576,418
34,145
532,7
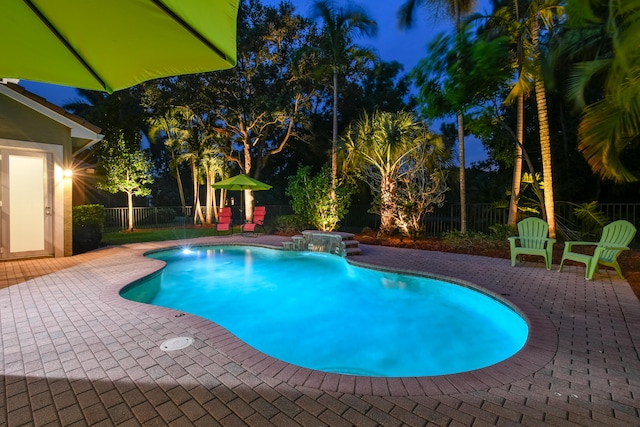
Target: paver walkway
x,y
72,352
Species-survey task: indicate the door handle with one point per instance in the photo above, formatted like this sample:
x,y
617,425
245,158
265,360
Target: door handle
x,y
47,211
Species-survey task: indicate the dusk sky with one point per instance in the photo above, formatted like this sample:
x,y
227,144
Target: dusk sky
x,y
392,44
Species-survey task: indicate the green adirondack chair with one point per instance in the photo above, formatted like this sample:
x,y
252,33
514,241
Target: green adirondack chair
x,y
615,239
533,239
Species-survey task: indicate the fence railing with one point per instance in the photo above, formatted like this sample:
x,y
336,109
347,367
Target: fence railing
x,y
147,217
480,216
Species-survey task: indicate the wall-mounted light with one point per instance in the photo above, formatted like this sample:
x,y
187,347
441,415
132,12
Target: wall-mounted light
x,y
68,173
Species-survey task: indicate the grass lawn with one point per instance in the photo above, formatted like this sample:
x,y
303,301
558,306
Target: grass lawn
x,y
162,234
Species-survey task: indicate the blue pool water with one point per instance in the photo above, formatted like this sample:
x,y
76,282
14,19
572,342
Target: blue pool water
x,y
317,311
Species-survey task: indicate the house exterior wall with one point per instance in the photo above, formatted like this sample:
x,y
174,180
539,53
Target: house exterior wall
x,y
25,129
20,122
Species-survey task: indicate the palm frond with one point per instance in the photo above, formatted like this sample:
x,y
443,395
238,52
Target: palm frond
x,y
591,215
604,132
580,76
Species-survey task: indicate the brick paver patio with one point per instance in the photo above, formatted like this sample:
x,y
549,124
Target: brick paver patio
x,y
73,352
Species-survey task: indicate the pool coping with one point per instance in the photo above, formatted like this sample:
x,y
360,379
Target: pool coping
x,y
538,351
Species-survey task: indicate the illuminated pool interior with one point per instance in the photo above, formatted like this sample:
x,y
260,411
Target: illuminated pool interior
x,y
317,311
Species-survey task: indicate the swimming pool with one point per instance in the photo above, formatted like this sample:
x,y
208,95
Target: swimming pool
x,y
317,311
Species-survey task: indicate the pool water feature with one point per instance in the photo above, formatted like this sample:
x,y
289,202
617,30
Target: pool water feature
x,y
317,311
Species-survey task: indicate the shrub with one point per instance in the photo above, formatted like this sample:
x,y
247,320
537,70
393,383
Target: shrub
x,y
502,231
311,198
289,224
88,225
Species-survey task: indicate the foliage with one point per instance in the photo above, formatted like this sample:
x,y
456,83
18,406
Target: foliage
x,y
419,191
88,225
88,216
475,243
530,197
460,72
466,239
602,41
169,128
452,9
336,52
312,198
385,148
457,76
119,113
590,220
125,170
502,231
289,224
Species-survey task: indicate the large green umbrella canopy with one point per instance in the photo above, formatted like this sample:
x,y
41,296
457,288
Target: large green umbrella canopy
x,y
241,182
110,45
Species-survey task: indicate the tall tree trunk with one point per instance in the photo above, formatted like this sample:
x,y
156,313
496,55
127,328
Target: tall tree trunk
x,y
334,137
209,198
179,180
517,167
197,209
130,209
247,195
463,182
387,205
545,137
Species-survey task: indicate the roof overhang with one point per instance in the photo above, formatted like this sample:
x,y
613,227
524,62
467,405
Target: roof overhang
x,y
83,134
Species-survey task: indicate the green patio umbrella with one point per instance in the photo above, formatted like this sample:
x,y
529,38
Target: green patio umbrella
x,y
241,182
110,45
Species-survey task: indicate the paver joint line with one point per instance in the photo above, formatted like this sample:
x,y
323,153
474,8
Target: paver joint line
x,y
72,350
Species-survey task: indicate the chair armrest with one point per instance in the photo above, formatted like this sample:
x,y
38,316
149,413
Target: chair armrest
x,y
569,244
614,247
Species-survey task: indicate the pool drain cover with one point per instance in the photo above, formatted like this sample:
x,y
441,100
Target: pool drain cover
x,y
177,343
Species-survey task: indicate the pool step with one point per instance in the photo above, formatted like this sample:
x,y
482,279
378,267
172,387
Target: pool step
x,y
351,247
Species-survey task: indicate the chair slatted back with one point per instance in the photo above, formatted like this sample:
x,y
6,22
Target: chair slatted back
x,y
224,218
532,232
618,233
259,213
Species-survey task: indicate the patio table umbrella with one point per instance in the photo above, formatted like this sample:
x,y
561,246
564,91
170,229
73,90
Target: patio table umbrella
x,y
241,182
109,45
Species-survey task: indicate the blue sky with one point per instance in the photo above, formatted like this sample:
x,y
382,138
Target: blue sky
x,y
392,44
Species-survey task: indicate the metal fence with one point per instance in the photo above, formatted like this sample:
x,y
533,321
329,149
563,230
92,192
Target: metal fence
x,y
147,217
444,219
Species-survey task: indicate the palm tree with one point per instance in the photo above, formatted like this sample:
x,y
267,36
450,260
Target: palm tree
x,y
382,147
543,122
169,127
454,9
340,26
525,29
603,39
213,165
200,153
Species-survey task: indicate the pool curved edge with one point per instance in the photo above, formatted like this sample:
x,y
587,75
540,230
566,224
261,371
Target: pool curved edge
x,y
539,349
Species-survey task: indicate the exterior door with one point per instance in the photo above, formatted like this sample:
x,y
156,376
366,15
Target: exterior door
x,y
27,221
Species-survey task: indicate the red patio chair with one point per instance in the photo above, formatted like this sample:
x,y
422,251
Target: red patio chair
x,y
258,220
224,220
